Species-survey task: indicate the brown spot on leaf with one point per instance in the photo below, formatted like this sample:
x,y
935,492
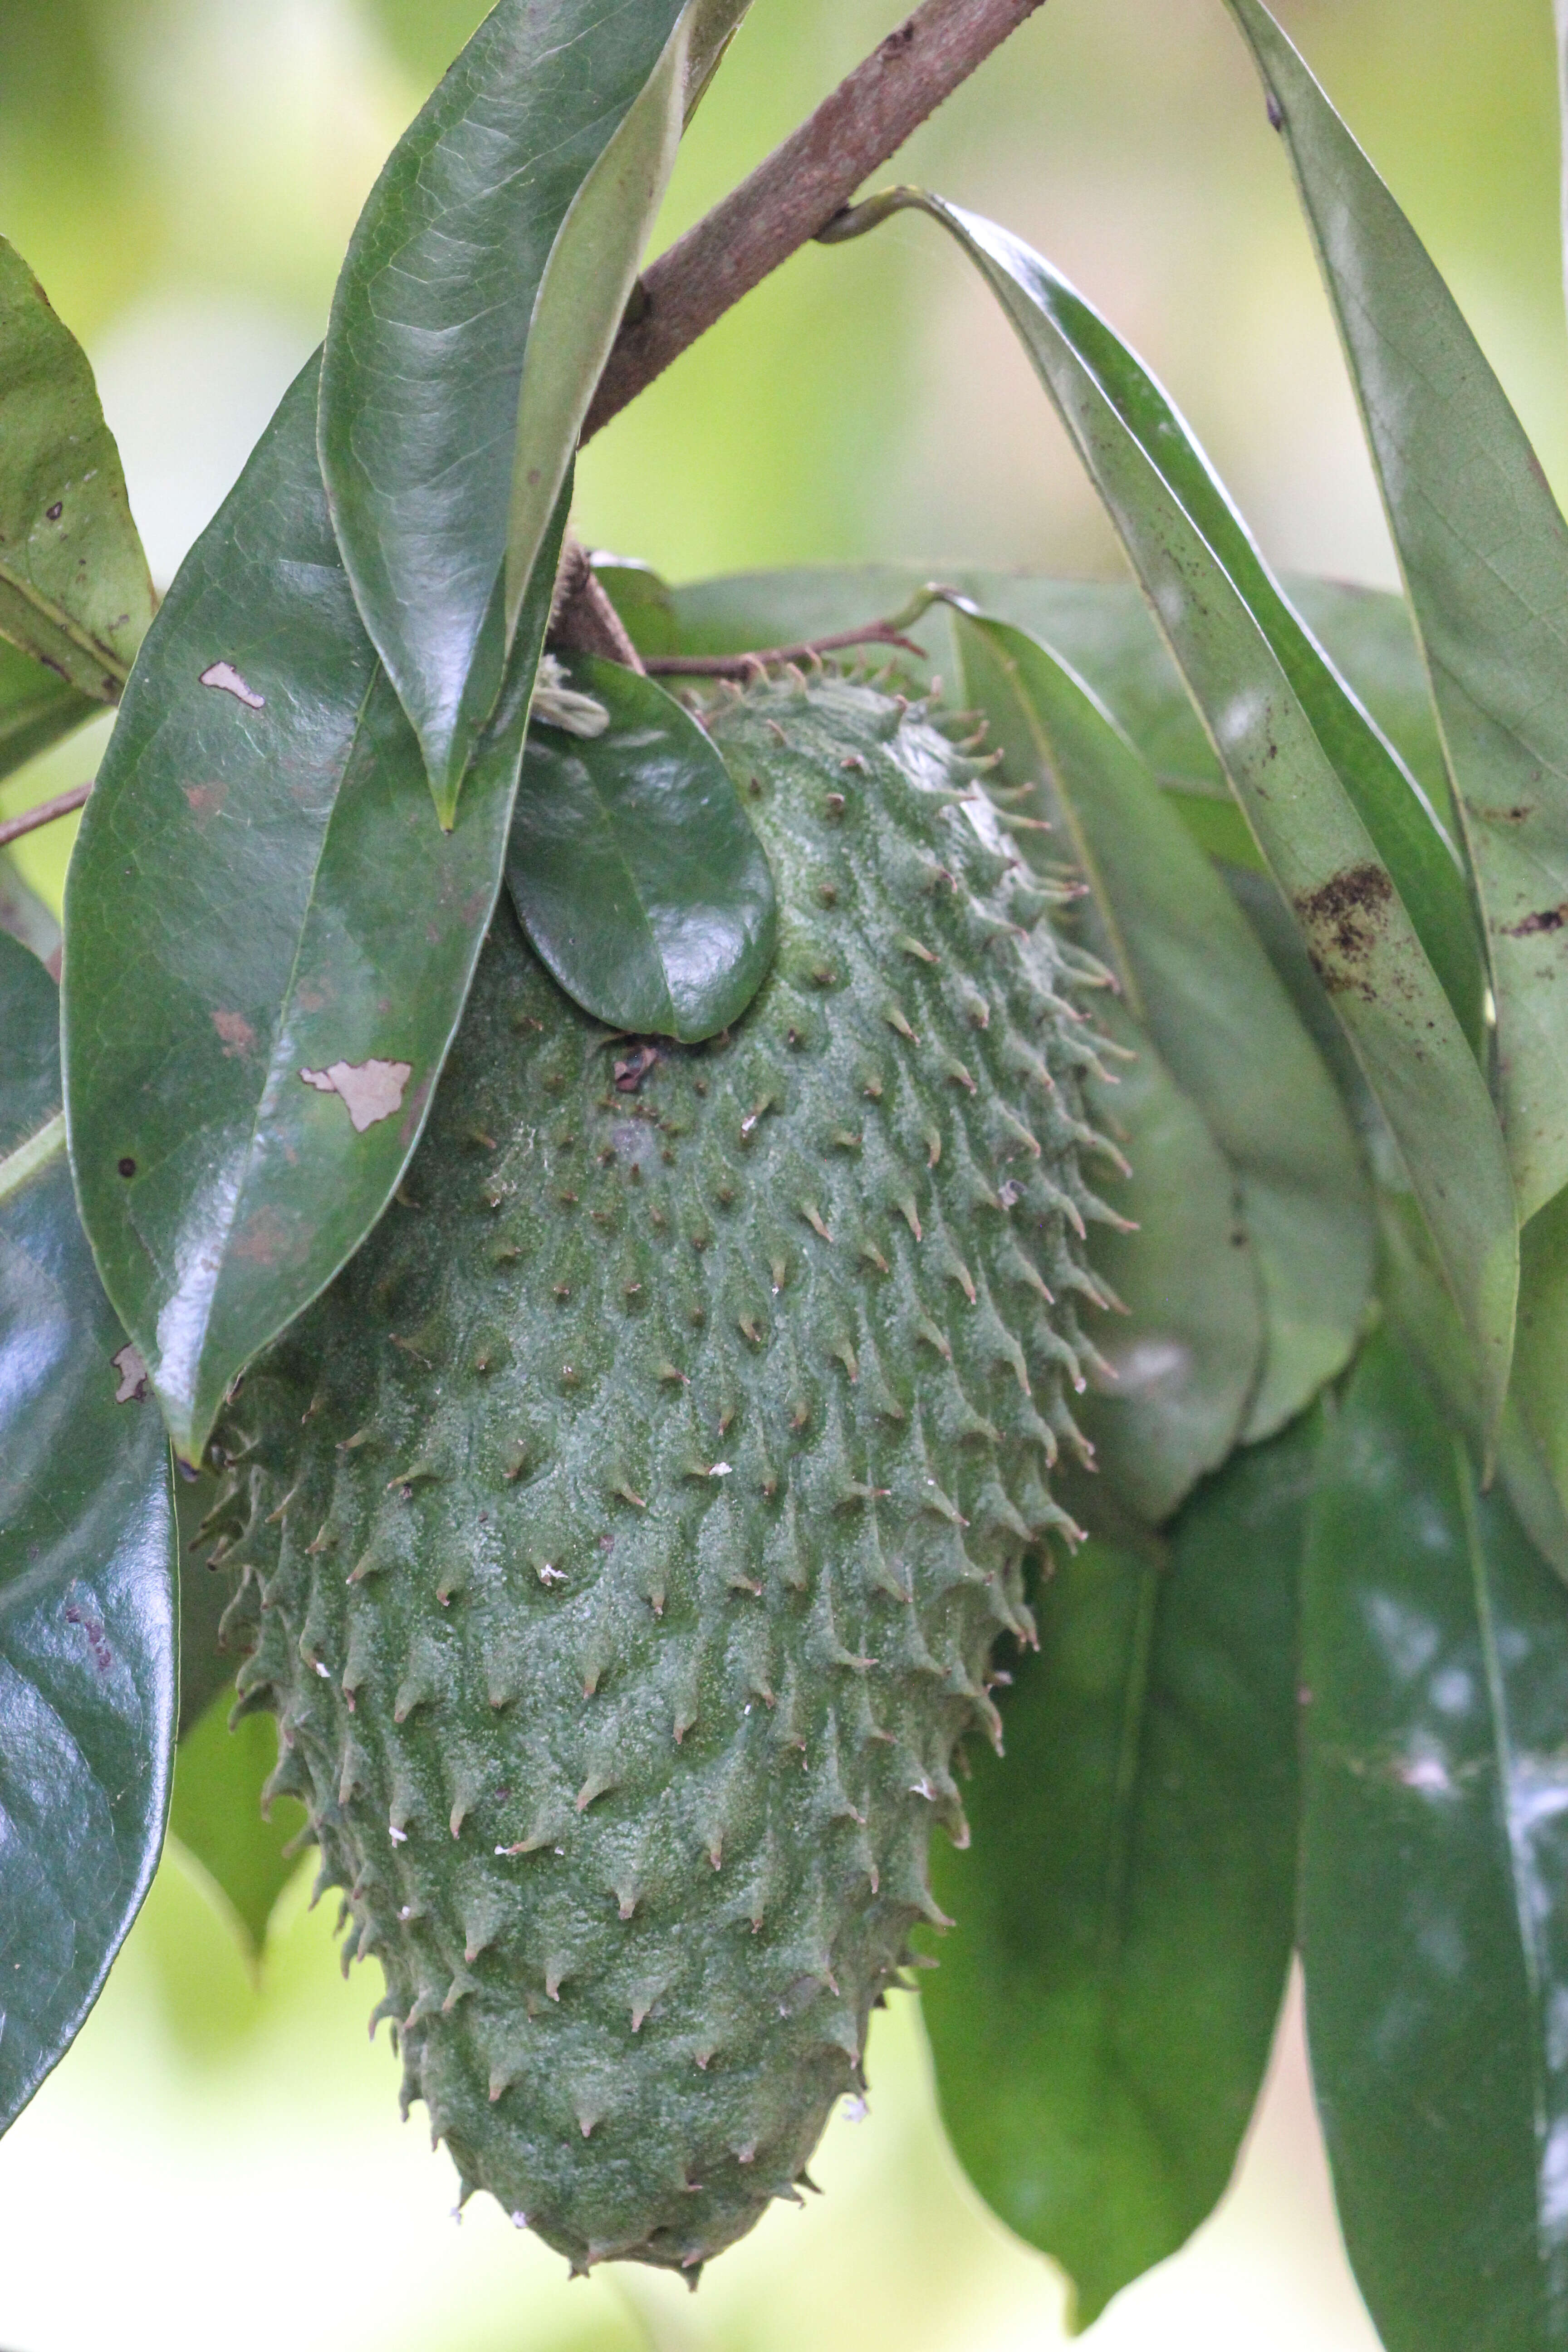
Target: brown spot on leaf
x,y
206,800
1550,919
1343,919
131,1367
238,1036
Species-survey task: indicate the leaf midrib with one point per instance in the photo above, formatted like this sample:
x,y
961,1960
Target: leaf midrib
x,y
58,618
32,1156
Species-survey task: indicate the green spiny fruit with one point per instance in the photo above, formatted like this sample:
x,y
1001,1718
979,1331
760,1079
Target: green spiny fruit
x,y
626,1532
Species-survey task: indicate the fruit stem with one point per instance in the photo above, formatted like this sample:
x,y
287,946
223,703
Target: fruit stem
x,y
799,188
757,664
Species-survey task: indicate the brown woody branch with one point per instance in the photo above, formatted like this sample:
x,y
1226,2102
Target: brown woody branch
x,y
14,827
796,191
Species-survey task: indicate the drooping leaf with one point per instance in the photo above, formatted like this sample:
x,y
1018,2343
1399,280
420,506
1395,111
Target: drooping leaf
x,y
75,591
1188,1355
1435,1878
1310,824
1485,555
216,1812
633,867
88,1621
1102,2015
1196,979
431,331
268,943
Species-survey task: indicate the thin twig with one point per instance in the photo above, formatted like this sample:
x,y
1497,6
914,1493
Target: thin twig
x,y
13,827
767,657
796,191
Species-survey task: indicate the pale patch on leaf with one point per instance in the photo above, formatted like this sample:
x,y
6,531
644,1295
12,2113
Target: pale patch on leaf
x,y
132,1370
556,704
227,680
370,1090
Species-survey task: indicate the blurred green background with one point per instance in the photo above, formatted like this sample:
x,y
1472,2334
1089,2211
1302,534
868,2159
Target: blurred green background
x,y
219,2161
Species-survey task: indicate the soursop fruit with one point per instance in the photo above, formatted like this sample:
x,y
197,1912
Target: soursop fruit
x,y
626,1533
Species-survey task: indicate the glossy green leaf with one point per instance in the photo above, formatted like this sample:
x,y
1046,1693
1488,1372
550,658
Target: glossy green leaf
x,y
217,1816
634,868
87,1580
36,709
1197,981
1102,2015
1485,556
1435,1879
581,299
431,331
268,942
1307,823
1186,1358
75,591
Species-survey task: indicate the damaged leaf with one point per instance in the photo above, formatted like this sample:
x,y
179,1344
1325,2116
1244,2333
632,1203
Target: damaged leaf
x,y
87,1582
75,591
1485,555
269,944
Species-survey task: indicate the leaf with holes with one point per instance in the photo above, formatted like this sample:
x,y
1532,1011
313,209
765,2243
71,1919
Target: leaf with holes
x,y
269,944
1103,2015
633,867
74,592
86,1579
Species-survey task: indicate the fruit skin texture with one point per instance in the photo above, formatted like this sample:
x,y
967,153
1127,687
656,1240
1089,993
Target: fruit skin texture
x,y
626,1532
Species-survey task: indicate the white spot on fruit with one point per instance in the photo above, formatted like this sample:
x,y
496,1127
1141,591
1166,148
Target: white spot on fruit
x,y
398,1837
721,1470
131,1367
227,680
370,1090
